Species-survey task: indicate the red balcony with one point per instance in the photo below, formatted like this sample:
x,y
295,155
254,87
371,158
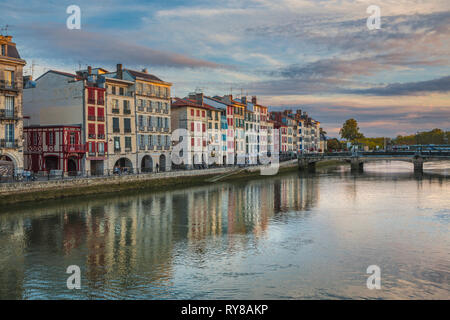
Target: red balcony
x,y
74,148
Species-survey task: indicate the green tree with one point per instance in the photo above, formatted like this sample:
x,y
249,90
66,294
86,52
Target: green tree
x,y
350,130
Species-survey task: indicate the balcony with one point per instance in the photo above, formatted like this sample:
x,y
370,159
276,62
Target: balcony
x,y
101,118
127,130
117,150
115,110
127,149
92,136
116,130
142,147
8,85
10,144
8,114
150,129
101,136
141,109
166,130
74,148
126,111
141,128
149,109
91,118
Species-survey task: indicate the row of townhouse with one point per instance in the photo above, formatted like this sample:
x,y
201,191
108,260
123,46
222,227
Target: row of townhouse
x,y
106,121
97,121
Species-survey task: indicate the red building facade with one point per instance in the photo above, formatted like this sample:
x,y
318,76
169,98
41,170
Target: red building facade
x,y
53,148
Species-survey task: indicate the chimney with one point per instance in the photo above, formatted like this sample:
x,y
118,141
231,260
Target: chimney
x,y
244,100
254,100
199,98
145,70
89,70
119,71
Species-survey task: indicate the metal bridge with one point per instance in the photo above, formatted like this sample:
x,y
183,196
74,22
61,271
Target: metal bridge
x,y
357,159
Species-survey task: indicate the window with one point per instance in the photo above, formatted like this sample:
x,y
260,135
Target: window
x,y
159,140
116,143
192,112
192,141
100,97
192,126
101,131
73,138
203,113
91,95
101,148
101,114
127,124
3,49
116,127
121,91
9,132
91,147
91,130
50,138
166,123
198,113
91,113
9,105
140,121
113,90
128,143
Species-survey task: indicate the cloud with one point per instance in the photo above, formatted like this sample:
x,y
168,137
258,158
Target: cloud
x,y
441,85
56,42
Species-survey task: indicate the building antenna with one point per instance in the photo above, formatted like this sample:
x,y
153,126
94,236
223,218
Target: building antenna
x,y
4,30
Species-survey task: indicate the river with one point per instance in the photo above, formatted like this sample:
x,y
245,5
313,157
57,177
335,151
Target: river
x,y
292,236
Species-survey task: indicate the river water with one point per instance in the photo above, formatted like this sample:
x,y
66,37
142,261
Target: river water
x,y
290,236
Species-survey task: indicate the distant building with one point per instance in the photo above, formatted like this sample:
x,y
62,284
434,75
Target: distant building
x,y
11,119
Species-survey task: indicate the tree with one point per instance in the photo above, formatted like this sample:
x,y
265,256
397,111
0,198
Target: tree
x,y
333,144
350,130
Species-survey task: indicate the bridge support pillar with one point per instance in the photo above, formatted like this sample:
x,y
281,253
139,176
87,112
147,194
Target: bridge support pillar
x,y
357,165
418,165
306,165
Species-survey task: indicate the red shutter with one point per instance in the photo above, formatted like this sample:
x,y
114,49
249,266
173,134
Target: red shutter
x,y
198,113
91,128
203,127
192,125
91,111
101,129
203,114
91,95
192,141
192,112
100,112
100,97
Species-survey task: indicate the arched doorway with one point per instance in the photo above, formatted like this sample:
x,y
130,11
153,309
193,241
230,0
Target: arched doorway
x,y
124,165
147,164
6,166
72,166
162,163
51,163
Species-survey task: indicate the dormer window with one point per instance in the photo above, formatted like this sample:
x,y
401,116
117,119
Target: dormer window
x,y
3,49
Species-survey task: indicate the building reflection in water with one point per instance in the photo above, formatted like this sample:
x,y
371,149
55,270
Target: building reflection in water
x,y
130,241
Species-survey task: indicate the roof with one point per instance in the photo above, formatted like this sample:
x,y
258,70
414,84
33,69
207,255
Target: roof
x,y
185,102
57,72
12,52
147,76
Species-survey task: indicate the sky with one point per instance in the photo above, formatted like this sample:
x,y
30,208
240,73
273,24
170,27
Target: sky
x,y
315,55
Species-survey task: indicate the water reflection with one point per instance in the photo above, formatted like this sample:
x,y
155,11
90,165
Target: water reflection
x,y
187,243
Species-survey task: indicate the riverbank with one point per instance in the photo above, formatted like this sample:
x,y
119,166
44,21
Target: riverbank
x,y
12,193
